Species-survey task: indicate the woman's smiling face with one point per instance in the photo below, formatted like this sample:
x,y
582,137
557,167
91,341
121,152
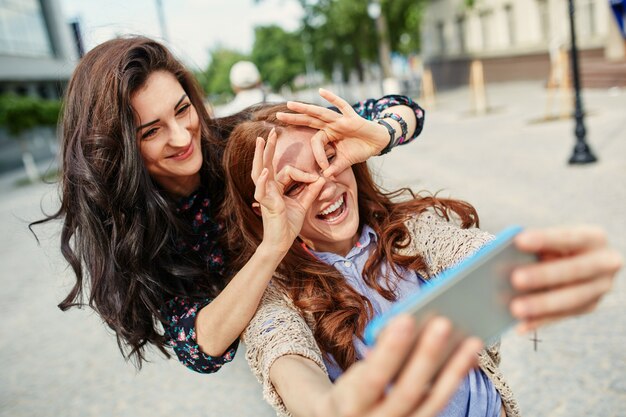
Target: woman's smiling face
x,y
168,131
331,224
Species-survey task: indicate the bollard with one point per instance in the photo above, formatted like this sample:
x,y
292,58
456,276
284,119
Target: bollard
x,y
428,89
477,85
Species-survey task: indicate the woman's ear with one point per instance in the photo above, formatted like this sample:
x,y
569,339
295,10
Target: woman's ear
x,y
256,207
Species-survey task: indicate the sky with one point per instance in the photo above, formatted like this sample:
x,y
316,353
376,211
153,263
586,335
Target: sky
x,y
193,26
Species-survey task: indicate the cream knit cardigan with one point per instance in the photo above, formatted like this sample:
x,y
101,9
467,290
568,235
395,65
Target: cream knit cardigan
x,y
279,328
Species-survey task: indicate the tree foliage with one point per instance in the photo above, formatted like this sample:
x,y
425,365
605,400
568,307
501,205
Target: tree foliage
x,y
341,32
334,34
278,54
404,18
215,80
19,114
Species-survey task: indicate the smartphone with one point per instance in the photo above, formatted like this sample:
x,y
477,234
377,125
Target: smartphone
x,y
475,294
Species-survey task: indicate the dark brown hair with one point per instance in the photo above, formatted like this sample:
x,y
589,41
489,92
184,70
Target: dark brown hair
x,y
119,227
316,288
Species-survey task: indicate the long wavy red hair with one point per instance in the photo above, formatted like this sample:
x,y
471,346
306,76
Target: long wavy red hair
x,y
339,312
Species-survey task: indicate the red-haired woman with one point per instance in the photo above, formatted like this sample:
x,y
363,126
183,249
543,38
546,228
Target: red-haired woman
x,y
359,250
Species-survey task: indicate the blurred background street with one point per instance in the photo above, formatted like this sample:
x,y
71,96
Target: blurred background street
x,y
497,81
513,169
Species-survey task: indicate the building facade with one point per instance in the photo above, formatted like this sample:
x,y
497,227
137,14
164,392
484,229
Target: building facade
x,y
516,39
37,49
37,56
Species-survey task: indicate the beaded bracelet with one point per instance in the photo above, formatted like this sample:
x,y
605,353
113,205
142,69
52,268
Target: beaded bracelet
x,y
402,123
392,136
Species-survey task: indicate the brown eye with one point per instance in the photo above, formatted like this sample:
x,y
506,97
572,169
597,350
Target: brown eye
x,y
150,133
294,189
183,109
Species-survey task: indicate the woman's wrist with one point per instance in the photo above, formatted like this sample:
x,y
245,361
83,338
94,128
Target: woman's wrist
x,y
393,131
270,253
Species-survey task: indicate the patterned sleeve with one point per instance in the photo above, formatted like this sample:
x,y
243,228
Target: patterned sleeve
x,y
180,315
371,109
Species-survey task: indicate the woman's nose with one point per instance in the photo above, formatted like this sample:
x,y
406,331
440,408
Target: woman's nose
x,y
328,190
179,135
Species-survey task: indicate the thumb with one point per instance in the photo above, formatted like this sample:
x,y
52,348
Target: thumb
x,y
339,165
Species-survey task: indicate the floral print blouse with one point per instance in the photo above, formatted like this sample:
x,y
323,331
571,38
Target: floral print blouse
x,y
180,313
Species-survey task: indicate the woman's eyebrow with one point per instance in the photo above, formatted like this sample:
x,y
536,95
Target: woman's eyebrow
x,y
157,120
181,100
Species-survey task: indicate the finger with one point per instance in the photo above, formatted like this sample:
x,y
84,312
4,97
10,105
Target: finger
x,y
364,383
339,165
311,192
414,381
564,239
318,144
261,186
257,161
344,107
318,112
291,172
385,360
301,120
449,379
533,324
559,300
567,270
268,153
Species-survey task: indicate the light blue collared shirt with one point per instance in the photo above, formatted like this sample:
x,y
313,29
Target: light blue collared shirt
x,y
476,396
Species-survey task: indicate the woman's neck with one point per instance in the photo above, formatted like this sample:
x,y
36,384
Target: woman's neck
x,y
180,186
340,248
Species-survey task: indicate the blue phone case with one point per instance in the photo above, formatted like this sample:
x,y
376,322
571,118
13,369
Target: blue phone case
x,y
449,278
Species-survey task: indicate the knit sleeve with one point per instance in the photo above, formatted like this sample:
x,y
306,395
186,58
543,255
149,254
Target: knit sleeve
x,y
277,329
444,244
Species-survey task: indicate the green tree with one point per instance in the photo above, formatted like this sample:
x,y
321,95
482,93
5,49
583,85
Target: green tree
x,y
404,19
215,80
341,33
278,54
19,114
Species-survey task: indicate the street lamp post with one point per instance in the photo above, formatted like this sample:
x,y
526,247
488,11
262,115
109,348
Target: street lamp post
x,y
374,11
161,13
582,153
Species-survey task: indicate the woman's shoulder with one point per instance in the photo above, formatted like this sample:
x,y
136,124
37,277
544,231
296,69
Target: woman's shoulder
x,y
442,242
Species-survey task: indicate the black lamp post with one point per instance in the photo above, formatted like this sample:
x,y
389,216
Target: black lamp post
x,y
582,153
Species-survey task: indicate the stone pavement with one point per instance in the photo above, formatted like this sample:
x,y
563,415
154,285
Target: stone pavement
x,y
512,170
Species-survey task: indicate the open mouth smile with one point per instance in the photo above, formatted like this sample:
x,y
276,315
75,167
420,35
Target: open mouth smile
x,y
335,212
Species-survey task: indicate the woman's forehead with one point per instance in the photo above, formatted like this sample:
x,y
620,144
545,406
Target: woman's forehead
x,y
293,147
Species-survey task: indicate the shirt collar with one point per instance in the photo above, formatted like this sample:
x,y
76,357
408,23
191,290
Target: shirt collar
x,y
368,237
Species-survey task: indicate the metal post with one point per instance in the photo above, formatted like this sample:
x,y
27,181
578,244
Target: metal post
x,y
161,15
582,153
374,10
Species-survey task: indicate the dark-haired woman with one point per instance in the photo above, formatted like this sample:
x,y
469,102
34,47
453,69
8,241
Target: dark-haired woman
x,y
358,251
141,183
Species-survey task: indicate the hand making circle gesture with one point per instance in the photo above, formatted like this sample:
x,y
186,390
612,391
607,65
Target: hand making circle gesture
x,y
355,138
282,215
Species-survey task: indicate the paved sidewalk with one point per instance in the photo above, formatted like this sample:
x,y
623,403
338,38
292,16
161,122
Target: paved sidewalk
x,y
513,171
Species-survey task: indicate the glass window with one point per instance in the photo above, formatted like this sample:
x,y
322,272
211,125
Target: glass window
x,y
441,37
485,28
460,31
510,23
23,29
